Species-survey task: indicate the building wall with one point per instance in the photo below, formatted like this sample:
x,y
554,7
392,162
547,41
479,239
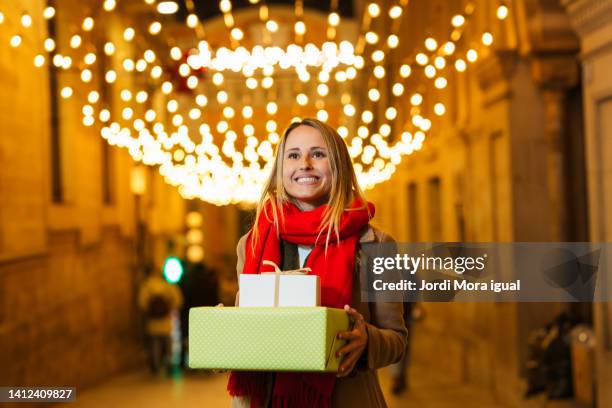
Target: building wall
x,y
68,271
490,153
593,22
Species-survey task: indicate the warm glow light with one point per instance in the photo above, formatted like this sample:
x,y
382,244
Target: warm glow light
x,y
379,72
155,28
391,113
416,99
487,38
192,21
395,12
502,12
75,41
88,24
430,71
39,61
393,41
300,28
333,19
15,41
272,26
458,20
378,56
167,7
371,37
26,20
349,110
449,48
66,92
431,44
237,34
48,13
373,94
460,65
49,45
441,83
472,55
421,59
301,99
373,9
398,89
405,71
439,109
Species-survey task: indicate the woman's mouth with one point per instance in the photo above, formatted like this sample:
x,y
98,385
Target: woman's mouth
x,y
307,180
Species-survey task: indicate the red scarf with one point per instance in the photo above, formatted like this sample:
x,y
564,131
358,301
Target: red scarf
x,y
335,271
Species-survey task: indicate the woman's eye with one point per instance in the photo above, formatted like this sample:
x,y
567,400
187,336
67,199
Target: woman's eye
x,y
292,155
319,154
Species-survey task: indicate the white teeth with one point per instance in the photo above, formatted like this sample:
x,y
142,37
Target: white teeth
x,y
306,180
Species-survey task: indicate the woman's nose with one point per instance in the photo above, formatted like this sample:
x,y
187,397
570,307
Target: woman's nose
x,y
305,162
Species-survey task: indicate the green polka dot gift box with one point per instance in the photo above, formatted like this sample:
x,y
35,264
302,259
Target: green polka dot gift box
x,y
266,338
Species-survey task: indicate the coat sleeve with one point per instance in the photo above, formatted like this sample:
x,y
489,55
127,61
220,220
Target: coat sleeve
x,y
240,252
387,333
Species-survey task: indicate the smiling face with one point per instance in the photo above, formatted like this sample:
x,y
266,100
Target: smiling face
x,y
306,169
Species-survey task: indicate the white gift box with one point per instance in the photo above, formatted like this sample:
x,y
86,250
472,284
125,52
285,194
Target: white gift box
x,y
288,288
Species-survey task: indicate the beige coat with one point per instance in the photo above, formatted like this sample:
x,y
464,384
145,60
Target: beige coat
x,y
386,339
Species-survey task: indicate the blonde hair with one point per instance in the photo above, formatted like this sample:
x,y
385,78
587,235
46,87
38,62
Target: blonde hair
x,y
344,186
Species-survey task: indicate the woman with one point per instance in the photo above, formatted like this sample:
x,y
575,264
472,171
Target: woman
x,y
313,213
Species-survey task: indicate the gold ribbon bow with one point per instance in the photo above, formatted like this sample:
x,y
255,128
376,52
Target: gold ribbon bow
x,y
277,274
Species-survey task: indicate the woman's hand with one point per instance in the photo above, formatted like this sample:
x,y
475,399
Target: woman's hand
x,y
357,340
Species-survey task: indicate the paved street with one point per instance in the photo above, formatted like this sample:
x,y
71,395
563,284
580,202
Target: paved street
x,y
208,390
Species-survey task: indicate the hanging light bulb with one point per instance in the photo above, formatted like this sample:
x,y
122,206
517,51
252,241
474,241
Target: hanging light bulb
x,y
192,21
26,20
300,28
371,37
472,55
167,7
421,58
431,44
155,28
367,116
15,41
398,89
39,60
487,38
333,19
393,41
395,12
373,10
460,65
272,26
128,34
48,13
88,24
237,34
502,11
458,20
416,99
405,71
301,99
374,94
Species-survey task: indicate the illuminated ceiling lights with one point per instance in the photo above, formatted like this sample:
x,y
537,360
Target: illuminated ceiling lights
x,y
235,173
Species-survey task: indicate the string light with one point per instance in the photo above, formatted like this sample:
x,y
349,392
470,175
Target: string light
x,y
502,12
140,148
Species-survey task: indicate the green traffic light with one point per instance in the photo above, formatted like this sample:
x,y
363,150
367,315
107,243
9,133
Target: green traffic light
x,y
173,269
